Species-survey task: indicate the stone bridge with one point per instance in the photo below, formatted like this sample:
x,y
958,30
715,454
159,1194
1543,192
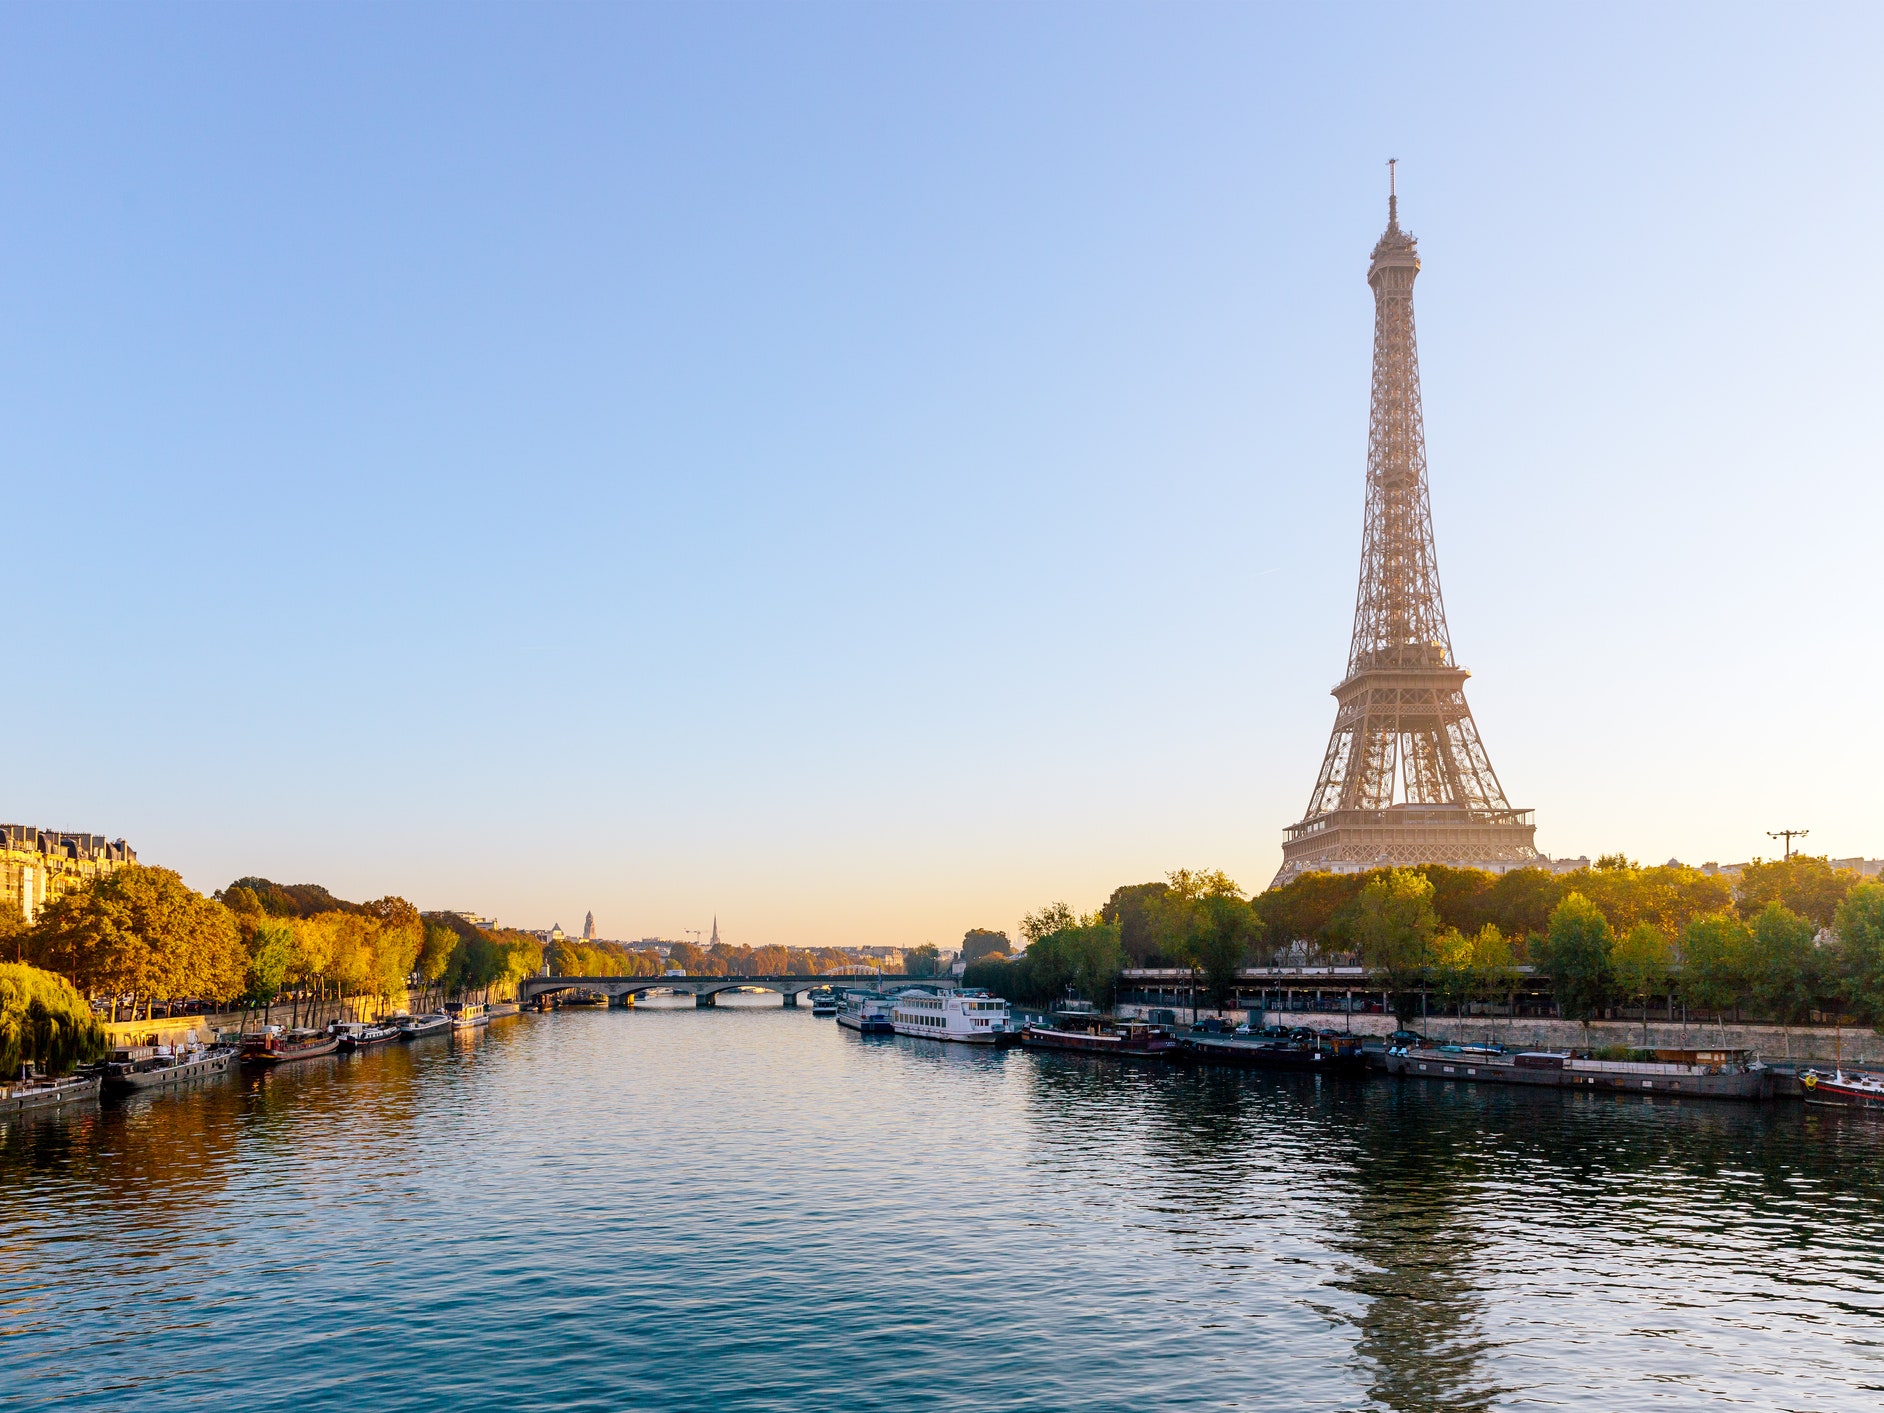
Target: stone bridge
x,y
533,990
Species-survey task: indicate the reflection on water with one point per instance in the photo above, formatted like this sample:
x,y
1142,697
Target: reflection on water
x,y
752,1208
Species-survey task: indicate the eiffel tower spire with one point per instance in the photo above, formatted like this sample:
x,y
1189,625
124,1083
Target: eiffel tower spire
x,y
1401,719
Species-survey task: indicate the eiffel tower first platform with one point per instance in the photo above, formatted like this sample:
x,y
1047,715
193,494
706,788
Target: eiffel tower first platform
x,y
1401,718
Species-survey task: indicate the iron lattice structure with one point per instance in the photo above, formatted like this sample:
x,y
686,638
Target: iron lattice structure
x,y
1402,724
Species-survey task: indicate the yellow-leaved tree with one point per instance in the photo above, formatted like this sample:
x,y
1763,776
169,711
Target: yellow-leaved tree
x,y
142,932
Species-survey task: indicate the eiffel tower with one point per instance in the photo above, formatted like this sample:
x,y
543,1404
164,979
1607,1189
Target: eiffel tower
x,y
1401,718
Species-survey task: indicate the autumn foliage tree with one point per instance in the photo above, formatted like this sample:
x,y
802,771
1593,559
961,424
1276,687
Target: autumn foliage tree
x,y
140,931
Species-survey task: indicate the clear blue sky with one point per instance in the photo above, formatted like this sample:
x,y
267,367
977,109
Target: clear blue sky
x,y
866,471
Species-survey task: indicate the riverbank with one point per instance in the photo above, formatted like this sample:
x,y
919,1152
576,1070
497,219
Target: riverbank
x,y
1851,1046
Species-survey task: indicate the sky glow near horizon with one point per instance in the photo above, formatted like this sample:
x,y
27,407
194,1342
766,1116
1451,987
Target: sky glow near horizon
x,y
865,472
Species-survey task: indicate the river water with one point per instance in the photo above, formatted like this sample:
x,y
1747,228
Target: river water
x,y
756,1209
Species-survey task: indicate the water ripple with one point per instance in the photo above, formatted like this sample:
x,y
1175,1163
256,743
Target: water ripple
x,y
754,1211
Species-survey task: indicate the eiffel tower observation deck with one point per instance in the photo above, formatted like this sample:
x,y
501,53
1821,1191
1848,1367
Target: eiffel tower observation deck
x,y
1406,779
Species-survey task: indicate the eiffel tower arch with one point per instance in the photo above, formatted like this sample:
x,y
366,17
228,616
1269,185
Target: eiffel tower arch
x,y
1405,779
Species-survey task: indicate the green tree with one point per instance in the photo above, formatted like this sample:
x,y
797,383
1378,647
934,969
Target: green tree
x,y
1133,907
1095,957
1644,960
435,949
1805,884
1306,909
921,961
1576,954
1716,963
980,942
13,931
43,1020
1520,902
1054,917
1392,925
1859,926
271,948
1787,974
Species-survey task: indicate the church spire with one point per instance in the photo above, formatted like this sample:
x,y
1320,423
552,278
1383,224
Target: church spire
x,y
716,931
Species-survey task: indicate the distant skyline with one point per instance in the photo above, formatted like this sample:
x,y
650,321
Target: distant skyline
x,y
865,472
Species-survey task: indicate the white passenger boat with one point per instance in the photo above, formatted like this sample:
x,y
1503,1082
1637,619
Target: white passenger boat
x,y
972,1016
868,1013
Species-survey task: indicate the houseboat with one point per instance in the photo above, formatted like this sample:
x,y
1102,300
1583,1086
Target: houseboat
x,y
971,1016
1843,1089
130,1068
867,1013
357,1035
1091,1034
273,1045
32,1090
468,1015
1708,1074
1303,1053
413,1027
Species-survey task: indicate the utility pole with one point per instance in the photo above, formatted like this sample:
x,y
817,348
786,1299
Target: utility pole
x,y
1788,835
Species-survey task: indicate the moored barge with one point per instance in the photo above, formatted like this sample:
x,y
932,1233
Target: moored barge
x,y
1128,1039
275,1046
1707,1074
130,1068
32,1090
1313,1055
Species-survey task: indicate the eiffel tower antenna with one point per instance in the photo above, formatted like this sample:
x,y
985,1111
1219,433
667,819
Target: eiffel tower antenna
x,y
1405,779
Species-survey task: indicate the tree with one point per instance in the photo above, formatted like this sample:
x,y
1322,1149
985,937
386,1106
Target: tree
x,y
44,1021
1806,884
1716,962
140,930
435,949
271,947
921,961
980,942
1576,953
1305,909
1054,917
1217,941
1667,897
1392,924
1098,958
1520,902
13,931
1452,967
1134,908
1859,925
1644,960
1787,975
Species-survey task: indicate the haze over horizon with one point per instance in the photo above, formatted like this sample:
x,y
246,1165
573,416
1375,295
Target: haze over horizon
x,y
866,472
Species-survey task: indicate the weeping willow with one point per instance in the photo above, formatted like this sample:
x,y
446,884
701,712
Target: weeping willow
x,y
42,1019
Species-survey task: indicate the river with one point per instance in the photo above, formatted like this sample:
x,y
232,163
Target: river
x,y
755,1209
